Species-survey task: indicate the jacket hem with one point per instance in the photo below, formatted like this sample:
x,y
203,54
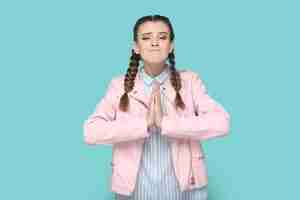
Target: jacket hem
x,y
123,191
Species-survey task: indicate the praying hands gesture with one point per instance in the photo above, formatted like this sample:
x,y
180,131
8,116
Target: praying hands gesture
x,y
154,115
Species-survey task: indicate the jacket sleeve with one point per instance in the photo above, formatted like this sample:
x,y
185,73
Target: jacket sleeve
x,y
212,120
102,127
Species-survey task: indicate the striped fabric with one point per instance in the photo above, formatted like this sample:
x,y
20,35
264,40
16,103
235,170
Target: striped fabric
x,y
156,177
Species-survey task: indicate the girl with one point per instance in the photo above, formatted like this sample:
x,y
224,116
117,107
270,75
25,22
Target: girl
x,y
154,118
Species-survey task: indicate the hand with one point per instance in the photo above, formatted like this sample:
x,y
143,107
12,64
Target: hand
x,y
158,109
151,112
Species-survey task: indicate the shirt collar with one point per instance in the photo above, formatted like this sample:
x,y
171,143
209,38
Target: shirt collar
x,y
160,78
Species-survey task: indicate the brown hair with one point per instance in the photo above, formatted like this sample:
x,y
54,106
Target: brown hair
x,y
134,64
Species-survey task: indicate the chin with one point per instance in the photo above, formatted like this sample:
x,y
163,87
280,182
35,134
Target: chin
x,y
155,60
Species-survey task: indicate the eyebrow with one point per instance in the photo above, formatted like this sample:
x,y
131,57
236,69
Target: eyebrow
x,y
148,33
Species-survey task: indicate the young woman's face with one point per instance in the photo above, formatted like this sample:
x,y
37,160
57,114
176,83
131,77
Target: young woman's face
x,y
153,42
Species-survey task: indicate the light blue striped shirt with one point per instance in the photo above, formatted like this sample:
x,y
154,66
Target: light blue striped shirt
x,y
156,177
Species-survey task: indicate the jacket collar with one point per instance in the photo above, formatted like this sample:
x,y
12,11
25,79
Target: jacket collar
x,y
138,92
160,78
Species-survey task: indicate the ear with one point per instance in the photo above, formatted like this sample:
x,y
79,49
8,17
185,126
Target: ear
x,y
135,48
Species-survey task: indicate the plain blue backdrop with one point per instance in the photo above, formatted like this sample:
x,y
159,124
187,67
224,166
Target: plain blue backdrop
x,y
57,57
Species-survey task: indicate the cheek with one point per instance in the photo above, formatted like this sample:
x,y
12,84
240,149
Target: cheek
x,y
165,52
166,47
144,49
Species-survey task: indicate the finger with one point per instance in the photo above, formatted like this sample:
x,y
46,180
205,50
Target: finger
x,y
152,106
151,102
158,106
151,112
151,99
157,98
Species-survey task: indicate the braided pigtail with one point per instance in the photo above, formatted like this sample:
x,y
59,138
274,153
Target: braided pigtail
x,y
129,80
175,81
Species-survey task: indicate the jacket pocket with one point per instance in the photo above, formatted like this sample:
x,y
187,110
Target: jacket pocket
x,y
117,180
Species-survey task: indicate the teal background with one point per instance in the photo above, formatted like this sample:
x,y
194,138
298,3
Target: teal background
x,y
57,57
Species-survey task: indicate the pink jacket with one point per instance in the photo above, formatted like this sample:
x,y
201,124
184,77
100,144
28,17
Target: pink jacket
x,y
202,119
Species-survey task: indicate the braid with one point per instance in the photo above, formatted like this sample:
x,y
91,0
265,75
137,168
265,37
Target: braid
x,y
129,80
175,81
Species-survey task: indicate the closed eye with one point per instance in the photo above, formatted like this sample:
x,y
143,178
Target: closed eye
x,y
163,38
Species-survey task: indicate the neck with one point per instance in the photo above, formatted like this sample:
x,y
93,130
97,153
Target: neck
x,y
154,69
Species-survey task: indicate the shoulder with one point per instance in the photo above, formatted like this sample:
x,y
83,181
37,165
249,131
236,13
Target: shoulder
x,y
116,83
118,79
186,74
192,79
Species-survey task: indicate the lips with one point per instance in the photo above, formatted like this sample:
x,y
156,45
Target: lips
x,y
154,50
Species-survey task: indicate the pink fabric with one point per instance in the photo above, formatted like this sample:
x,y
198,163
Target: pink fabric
x,y
127,131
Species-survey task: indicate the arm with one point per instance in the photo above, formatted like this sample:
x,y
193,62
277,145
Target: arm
x,y
102,127
214,121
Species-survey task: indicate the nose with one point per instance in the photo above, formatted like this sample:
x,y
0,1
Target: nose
x,y
154,42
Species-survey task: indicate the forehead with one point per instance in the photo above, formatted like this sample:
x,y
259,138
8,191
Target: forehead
x,y
153,27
